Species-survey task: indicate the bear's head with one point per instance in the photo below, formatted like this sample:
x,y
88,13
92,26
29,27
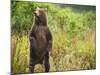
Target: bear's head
x,y
40,16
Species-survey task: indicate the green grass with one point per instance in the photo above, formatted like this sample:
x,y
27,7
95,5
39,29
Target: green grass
x,y
73,53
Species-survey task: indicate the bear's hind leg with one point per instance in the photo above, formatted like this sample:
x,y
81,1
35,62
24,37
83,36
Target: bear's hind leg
x,y
46,62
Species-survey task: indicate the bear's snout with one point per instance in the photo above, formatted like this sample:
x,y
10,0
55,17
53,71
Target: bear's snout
x,y
37,14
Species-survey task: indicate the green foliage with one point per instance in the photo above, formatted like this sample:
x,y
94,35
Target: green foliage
x,y
73,36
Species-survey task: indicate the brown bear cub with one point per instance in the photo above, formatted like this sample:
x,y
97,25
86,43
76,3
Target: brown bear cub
x,y
40,40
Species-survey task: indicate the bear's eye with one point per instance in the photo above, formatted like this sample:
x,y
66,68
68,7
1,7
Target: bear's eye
x,y
40,10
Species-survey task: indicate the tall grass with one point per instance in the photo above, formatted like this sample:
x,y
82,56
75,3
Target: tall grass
x,y
75,53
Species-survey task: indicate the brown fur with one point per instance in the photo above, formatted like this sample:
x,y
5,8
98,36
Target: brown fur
x,y
40,41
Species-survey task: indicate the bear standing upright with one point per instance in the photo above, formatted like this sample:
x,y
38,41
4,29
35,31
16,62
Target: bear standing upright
x,y
40,40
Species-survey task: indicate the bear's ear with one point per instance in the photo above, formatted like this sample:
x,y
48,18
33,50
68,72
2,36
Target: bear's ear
x,y
44,9
38,8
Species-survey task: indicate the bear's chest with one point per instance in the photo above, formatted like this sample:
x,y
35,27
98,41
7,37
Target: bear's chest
x,y
41,37
40,33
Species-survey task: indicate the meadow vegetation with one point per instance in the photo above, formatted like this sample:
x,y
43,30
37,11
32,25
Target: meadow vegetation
x,y
74,36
